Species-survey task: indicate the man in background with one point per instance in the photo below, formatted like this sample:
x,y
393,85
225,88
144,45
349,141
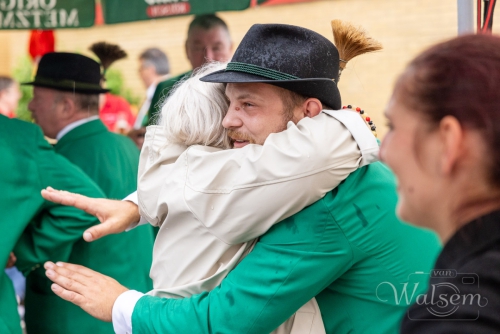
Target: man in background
x,y
153,68
208,40
66,105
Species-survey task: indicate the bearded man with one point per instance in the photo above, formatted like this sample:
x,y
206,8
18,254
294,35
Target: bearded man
x,y
339,249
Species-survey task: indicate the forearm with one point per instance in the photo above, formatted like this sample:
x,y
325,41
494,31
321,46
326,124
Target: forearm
x,y
288,267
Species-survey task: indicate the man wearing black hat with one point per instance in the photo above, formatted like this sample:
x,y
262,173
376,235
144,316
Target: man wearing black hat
x,y
339,250
65,105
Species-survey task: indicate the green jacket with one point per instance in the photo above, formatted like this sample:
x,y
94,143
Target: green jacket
x,y
111,161
29,164
161,92
339,249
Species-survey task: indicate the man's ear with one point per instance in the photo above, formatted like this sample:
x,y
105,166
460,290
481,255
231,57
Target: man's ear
x,y
68,106
452,137
312,107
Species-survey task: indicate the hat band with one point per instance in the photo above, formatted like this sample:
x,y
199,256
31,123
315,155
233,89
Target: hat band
x,y
258,70
65,83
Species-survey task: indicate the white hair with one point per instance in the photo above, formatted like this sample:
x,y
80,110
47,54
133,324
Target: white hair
x,y
194,110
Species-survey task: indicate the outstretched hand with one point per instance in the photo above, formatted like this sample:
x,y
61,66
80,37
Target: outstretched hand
x,y
95,293
115,216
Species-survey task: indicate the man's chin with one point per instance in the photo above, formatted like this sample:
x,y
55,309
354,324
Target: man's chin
x,y
240,144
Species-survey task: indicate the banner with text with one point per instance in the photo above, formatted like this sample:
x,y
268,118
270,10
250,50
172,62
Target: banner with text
x,y
116,11
46,14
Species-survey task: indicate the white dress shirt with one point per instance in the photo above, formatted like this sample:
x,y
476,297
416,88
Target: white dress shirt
x,y
150,92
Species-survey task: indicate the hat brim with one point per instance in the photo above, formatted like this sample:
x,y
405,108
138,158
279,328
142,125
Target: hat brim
x,y
321,88
76,89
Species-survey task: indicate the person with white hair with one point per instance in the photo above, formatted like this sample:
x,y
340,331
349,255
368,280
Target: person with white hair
x,y
282,116
194,253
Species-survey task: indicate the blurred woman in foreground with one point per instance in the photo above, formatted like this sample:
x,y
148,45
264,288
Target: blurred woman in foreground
x,y
444,119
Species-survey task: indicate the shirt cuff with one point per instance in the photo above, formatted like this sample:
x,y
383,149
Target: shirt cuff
x,y
133,198
122,311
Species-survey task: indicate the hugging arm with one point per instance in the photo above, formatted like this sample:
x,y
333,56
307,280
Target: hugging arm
x,y
293,262
293,169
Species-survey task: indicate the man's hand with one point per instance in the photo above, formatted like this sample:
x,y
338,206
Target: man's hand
x,y
93,292
11,261
115,216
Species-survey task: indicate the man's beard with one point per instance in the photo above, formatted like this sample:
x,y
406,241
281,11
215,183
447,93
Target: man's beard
x,y
237,135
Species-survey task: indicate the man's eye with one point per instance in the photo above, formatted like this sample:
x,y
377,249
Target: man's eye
x,y
247,104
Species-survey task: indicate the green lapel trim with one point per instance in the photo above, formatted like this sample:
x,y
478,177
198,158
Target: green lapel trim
x,y
83,131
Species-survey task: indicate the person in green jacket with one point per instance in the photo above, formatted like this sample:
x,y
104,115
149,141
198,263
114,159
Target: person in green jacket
x,y
208,40
345,250
65,105
29,164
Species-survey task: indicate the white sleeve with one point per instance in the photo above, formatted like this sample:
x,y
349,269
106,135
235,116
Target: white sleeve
x,y
122,311
239,194
133,198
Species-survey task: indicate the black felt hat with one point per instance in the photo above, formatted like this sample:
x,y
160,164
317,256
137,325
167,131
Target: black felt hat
x,y
286,56
69,72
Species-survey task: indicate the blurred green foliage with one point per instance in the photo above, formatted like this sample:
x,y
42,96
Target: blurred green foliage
x,y
24,73
114,81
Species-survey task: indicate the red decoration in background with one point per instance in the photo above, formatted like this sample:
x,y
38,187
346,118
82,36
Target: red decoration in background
x,y
99,18
116,114
41,42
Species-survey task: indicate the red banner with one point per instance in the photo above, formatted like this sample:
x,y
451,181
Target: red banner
x,y
168,10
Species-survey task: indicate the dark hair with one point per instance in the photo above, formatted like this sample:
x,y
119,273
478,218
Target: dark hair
x,y
460,78
157,58
5,82
207,22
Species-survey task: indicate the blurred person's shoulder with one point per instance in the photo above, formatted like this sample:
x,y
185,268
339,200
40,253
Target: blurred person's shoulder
x,y
20,132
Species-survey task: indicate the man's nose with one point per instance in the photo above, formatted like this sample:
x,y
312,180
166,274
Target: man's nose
x,y
209,54
231,120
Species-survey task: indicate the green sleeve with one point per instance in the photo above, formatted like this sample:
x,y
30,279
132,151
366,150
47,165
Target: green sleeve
x,y
56,228
294,261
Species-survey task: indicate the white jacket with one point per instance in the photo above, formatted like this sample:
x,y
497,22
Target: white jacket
x,y
212,204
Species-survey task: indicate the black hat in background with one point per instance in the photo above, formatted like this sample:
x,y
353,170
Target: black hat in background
x,y
69,72
286,56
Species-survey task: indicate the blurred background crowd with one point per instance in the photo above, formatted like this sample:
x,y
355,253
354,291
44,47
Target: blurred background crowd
x,y
404,28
